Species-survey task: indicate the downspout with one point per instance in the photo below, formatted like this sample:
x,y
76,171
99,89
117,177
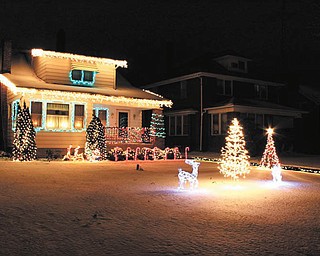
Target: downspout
x,y
201,114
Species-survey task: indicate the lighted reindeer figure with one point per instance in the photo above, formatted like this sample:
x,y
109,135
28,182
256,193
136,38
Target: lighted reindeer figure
x,y
185,177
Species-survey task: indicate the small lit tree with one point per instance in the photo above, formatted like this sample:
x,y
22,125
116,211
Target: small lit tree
x,y
234,156
269,157
96,139
24,144
157,127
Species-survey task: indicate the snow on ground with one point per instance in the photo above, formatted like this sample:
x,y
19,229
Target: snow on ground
x,y
110,208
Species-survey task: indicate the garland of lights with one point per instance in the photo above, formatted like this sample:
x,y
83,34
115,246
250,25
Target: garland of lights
x,y
157,126
234,157
76,57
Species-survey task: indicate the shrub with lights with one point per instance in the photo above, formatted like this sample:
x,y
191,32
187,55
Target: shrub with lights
x,y
24,144
234,156
269,157
96,139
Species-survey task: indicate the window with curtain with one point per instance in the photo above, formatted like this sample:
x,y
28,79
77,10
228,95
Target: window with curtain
x,y
36,114
78,116
57,116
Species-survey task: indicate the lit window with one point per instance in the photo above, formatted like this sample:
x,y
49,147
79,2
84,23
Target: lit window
x,y
14,113
57,116
36,114
78,116
82,77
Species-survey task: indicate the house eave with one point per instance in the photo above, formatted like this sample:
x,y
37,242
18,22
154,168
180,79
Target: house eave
x,y
254,110
211,75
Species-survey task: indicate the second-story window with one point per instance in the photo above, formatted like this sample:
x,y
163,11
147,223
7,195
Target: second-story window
x,y
82,77
183,89
225,87
261,91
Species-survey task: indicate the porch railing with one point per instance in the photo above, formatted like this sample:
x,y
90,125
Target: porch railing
x,y
128,135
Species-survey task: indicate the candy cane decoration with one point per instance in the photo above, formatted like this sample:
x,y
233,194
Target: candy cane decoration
x,y
136,153
186,152
154,153
127,153
176,149
166,150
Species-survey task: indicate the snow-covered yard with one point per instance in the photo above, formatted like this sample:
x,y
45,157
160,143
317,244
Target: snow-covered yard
x,y
110,208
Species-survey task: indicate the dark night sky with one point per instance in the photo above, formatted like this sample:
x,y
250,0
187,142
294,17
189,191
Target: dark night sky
x,y
139,31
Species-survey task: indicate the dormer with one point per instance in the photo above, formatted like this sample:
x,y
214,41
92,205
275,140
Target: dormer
x,y
234,63
75,70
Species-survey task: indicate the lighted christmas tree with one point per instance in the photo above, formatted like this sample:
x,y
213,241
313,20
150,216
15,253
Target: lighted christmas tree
x,y
157,126
96,139
269,157
234,156
24,144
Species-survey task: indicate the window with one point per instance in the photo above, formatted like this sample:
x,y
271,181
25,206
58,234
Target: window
x,y
219,124
225,87
36,114
78,116
179,125
242,65
183,89
123,119
260,91
57,116
14,113
102,114
82,77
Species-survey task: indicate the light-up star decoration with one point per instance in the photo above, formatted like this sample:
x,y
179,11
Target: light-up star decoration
x,y
185,176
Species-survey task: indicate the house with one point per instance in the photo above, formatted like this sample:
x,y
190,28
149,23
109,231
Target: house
x,y
63,90
308,99
209,91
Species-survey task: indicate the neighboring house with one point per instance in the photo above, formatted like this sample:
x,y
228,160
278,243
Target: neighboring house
x,y
309,137
63,90
209,91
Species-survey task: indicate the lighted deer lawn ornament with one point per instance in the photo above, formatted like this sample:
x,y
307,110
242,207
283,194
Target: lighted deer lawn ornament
x,y
276,173
185,177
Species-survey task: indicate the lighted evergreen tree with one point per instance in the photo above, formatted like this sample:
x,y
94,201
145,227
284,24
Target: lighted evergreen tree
x,y
157,127
269,157
234,156
96,139
24,143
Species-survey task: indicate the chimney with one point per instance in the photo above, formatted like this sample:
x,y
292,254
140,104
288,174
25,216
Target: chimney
x,y
6,56
61,41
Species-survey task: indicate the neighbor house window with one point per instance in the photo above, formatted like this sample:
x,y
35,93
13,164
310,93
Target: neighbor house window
x,y
57,116
82,77
179,125
261,91
219,124
36,114
78,116
183,89
225,87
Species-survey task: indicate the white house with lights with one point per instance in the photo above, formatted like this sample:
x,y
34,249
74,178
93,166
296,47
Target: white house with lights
x,y
63,90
